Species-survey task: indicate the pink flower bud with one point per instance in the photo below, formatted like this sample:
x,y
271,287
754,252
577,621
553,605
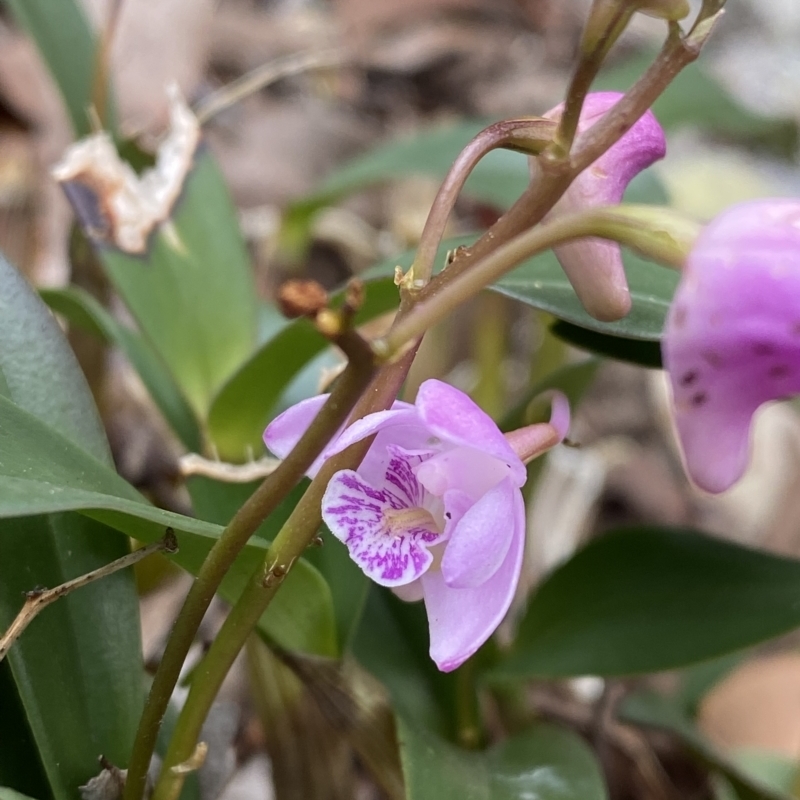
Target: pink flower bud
x,y
594,266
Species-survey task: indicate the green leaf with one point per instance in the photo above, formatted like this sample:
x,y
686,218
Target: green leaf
x,y
544,762
42,472
246,403
540,282
651,710
349,585
694,98
193,294
499,178
38,369
646,599
67,45
634,351
85,313
78,665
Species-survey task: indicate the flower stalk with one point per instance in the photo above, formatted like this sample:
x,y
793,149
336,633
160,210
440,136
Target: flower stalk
x,y
658,233
529,136
360,370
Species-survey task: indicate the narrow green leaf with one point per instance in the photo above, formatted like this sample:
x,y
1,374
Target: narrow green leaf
x,y
42,472
541,283
83,311
78,665
544,762
246,403
498,179
646,599
39,370
349,585
67,45
650,710
193,294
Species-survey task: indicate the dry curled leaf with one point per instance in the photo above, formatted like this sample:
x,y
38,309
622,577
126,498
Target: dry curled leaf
x,y
116,206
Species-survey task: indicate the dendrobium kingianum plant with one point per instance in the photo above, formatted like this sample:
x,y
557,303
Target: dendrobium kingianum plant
x,y
430,499
732,336
435,510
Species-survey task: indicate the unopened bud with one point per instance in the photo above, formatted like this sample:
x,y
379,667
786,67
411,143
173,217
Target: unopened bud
x,y
301,298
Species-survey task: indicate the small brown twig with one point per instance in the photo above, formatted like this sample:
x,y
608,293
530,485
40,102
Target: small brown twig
x,y
38,599
264,75
628,741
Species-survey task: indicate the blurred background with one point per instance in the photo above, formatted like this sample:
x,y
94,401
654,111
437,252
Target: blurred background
x,y
344,81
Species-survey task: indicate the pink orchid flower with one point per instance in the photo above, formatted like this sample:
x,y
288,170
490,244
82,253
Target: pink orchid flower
x,y
435,510
732,336
594,266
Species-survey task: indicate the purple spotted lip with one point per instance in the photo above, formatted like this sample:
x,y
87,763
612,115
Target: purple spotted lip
x,y
732,336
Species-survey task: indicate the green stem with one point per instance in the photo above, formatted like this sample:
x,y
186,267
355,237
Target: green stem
x,y
290,543
611,17
525,135
224,552
623,224
552,176
468,718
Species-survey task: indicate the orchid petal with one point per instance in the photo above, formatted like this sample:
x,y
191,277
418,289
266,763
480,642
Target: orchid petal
x,y
284,432
385,527
464,468
450,415
534,440
480,540
461,620
732,337
410,592
594,266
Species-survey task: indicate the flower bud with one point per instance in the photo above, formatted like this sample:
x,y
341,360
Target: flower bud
x,y
594,266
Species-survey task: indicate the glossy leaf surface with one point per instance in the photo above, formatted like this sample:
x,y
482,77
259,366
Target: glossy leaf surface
x,y
647,599
544,762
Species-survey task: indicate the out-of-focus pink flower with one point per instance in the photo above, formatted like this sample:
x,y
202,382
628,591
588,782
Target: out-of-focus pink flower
x,y
594,266
732,337
435,510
